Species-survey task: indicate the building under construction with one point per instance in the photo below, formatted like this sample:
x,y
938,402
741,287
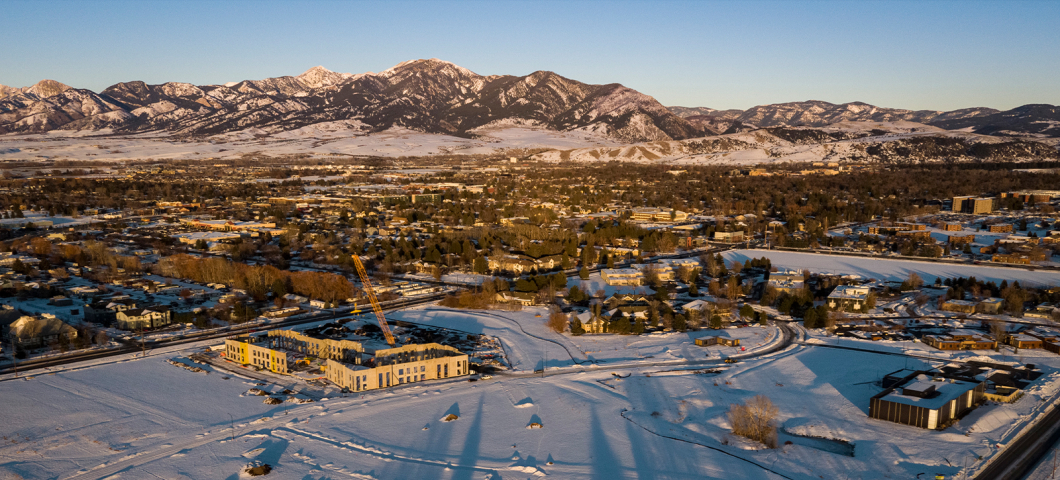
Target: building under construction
x,y
346,362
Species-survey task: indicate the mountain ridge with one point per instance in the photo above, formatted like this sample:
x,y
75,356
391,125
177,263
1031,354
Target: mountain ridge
x,y
1040,120
431,96
436,96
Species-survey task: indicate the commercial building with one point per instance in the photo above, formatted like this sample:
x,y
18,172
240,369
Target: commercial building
x,y
653,214
927,400
729,237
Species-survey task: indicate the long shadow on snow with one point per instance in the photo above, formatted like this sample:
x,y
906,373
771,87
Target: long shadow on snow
x,y
605,464
471,445
831,367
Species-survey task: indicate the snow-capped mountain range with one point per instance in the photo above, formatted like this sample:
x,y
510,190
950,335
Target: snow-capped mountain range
x,y
431,96
435,96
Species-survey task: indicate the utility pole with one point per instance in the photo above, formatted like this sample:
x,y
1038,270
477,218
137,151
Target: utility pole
x,y
143,346
233,434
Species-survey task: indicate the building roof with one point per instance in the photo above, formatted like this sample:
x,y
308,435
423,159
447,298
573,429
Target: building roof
x,y
946,390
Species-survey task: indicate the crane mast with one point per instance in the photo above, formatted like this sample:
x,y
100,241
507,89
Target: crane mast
x,y
370,293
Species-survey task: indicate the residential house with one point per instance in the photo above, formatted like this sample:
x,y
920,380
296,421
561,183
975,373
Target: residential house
x,y
848,297
143,318
33,332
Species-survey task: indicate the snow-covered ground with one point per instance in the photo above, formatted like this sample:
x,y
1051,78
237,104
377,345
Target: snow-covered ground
x,y
146,418
331,138
895,270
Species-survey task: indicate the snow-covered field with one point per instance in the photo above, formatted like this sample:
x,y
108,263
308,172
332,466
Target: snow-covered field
x,y
331,138
895,270
146,418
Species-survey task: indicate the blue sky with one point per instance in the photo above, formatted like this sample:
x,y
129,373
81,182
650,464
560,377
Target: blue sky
x,y
723,54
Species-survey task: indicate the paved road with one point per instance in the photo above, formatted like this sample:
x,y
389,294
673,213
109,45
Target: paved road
x,y
1018,459
134,346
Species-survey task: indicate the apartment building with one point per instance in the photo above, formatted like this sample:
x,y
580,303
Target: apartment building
x,y
399,365
973,205
622,276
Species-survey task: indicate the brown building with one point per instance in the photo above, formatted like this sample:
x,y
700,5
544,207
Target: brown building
x,y
926,400
961,341
961,239
1024,341
715,340
951,227
1011,258
1001,228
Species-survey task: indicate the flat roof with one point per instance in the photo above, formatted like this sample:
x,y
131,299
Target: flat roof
x,y
946,390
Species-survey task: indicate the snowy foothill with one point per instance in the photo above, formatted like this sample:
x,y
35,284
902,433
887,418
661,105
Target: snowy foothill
x,y
327,139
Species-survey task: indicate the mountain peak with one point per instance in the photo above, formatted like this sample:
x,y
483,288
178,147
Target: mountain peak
x,y
47,88
432,64
319,76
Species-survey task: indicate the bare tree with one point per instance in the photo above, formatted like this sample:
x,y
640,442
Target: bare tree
x,y
557,321
732,290
1000,332
651,275
755,419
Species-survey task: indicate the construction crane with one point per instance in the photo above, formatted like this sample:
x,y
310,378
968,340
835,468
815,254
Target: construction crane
x,y
370,293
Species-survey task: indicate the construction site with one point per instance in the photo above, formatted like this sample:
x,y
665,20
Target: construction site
x,y
357,355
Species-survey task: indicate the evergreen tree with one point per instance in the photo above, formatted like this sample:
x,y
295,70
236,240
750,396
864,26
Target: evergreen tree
x,y
680,324
622,326
809,319
583,273
746,311
715,321
638,327
576,327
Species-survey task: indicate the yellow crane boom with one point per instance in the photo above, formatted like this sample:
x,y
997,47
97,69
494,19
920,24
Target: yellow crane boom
x,y
370,293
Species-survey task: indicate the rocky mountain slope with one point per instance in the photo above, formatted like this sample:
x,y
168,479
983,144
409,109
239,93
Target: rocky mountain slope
x,y
431,96
886,142
1031,120
1028,120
